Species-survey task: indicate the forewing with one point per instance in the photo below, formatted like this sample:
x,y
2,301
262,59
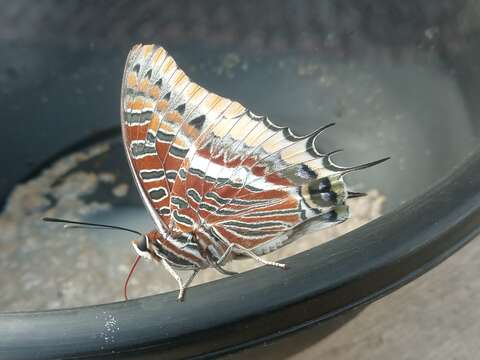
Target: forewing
x,y
163,112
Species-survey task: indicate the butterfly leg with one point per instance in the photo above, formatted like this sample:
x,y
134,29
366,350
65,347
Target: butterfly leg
x,y
217,261
181,286
225,255
181,294
251,254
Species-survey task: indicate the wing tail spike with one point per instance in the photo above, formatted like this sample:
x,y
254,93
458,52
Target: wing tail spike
x,y
329,125
314,134
331,153
364,166
313,137
328,161
354,194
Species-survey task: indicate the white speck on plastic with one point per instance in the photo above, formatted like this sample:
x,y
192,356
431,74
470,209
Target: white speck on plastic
x,y
110,329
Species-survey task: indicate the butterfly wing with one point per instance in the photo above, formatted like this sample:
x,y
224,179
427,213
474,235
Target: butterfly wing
x,y
250,182
205,164
163,113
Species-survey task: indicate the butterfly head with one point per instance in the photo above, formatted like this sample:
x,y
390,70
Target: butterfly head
x,y
142,246
179,250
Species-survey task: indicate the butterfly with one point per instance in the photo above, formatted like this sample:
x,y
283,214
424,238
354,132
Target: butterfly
x,y
219,182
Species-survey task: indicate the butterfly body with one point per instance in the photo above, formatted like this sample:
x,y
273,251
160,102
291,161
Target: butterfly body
x,y
219,181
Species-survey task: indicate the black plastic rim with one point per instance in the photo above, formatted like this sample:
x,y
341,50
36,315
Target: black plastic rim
x,y
263,304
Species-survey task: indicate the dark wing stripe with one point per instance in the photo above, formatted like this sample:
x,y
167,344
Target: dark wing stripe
x,y
178,201
194,195
152,174
158,194
182,218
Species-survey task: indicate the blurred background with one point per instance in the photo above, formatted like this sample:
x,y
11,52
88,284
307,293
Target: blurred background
x,y
400,78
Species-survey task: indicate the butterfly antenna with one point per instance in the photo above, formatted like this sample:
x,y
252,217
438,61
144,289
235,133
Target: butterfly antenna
x,y
132,269
70,224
